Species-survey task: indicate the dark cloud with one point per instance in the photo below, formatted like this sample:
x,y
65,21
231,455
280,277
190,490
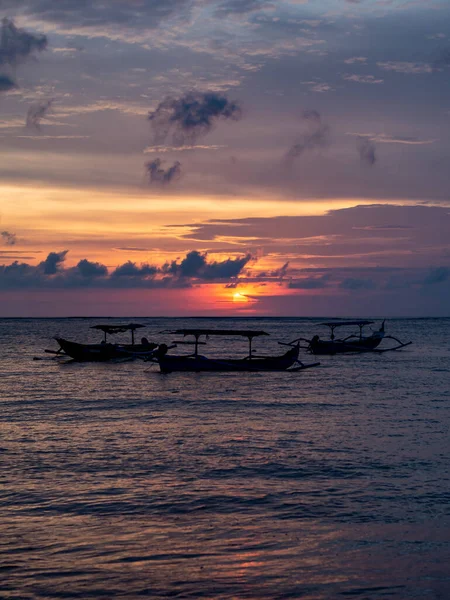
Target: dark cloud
x,y
354,284
366,149
52,264
225,269
156,174
316,135
91,269
195,265
93,14
9,238
310,283
240,7
190,117
51,273
17,45
131,269
437,275
17,275
36,113
6,83
190,266
312,116
281,272
443,59
133,249
20,275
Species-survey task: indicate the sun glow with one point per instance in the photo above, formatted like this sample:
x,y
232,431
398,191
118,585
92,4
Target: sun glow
x,y
237,297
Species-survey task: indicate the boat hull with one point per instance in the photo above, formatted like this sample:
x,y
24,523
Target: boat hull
x,y
103,352
196,364
331,347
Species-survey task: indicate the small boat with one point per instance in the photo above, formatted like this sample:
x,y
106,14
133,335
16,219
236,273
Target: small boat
x,y
353,343
105,350
197,363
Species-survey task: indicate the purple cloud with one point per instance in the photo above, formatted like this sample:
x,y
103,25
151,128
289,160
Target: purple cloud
x,y
191,116
156,174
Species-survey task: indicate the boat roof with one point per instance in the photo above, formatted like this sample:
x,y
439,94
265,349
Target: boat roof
x,y
118,328
340,323
197,332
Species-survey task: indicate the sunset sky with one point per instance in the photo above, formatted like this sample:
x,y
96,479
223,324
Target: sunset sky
x,y
225,157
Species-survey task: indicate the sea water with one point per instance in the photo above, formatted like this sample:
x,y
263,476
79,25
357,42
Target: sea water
x,y
119,482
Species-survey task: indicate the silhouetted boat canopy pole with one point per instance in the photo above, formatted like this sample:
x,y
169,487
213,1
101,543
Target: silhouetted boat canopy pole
x,y
197,333
243,332
112,329
333,324
342,323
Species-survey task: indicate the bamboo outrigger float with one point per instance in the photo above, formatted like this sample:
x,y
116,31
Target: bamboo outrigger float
x,y
105,350
354,343
196,363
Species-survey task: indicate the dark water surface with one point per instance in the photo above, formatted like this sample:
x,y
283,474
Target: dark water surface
x,y
119,482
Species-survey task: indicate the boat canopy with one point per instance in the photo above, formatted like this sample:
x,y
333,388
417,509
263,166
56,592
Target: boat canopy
x,y
117,328
111,329
341,323
198,332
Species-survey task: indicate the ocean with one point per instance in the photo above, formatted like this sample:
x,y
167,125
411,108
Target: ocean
x,y
119,482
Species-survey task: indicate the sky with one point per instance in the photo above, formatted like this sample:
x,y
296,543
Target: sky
x,y
225,157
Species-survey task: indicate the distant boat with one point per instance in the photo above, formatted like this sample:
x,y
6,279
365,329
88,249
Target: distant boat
x,y
105,350
353,343
251,363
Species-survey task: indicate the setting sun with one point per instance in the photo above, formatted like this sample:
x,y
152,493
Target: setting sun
x,y
237,297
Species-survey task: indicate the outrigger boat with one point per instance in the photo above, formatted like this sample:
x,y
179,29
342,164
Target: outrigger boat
x,y
196,362
356,343
105,350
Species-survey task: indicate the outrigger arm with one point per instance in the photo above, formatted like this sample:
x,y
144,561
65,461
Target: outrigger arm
x,y
390,337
